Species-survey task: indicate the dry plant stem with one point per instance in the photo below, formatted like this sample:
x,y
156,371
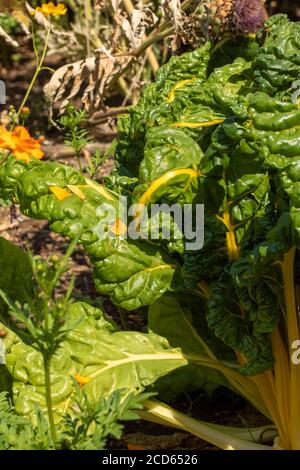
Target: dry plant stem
x,y
131,92
100,117
149,52
123,86
88,18
37,71
152,38
164,30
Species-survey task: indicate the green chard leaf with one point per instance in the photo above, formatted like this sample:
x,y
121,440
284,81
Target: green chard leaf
x,y
100,357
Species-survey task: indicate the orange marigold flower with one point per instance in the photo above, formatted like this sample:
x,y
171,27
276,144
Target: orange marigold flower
x,y
6,140
20,143
81,380
50,9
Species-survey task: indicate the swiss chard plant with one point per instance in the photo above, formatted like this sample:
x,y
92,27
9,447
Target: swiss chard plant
x,y
219,127
52,348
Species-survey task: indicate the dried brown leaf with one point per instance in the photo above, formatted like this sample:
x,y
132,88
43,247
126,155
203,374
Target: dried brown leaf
x,y
86,79
173,12
142,18
125,25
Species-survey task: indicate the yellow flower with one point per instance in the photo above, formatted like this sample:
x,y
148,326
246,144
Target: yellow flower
x,y
20,143
50,9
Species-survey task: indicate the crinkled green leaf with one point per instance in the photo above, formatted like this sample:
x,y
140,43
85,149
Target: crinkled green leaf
x,y
110,359
277,64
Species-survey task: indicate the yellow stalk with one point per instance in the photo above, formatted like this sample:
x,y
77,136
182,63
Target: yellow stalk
x,y
138,358
77,191
100,189
266,386
171,96
260,434
281,383
297,294
161,266
118,227
293,333
163,180
227,439
196,125
289,295
204,288
156,184
232,247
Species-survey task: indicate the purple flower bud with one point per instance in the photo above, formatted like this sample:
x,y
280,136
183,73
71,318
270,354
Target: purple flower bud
x,y
248,16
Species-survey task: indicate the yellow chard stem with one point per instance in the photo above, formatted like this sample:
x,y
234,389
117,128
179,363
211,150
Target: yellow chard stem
x,y
196,125
221,436
293,333
99,189
233,249
281,382
266,386
163,180
160,182
280,389
171,96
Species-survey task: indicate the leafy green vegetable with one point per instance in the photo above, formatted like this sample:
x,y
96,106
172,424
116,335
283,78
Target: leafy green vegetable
x,y
108,359
217,128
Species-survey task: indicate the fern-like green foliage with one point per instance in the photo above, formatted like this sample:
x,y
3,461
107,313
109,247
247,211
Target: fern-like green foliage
x,y
87,427
94,423
76,135
18,433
